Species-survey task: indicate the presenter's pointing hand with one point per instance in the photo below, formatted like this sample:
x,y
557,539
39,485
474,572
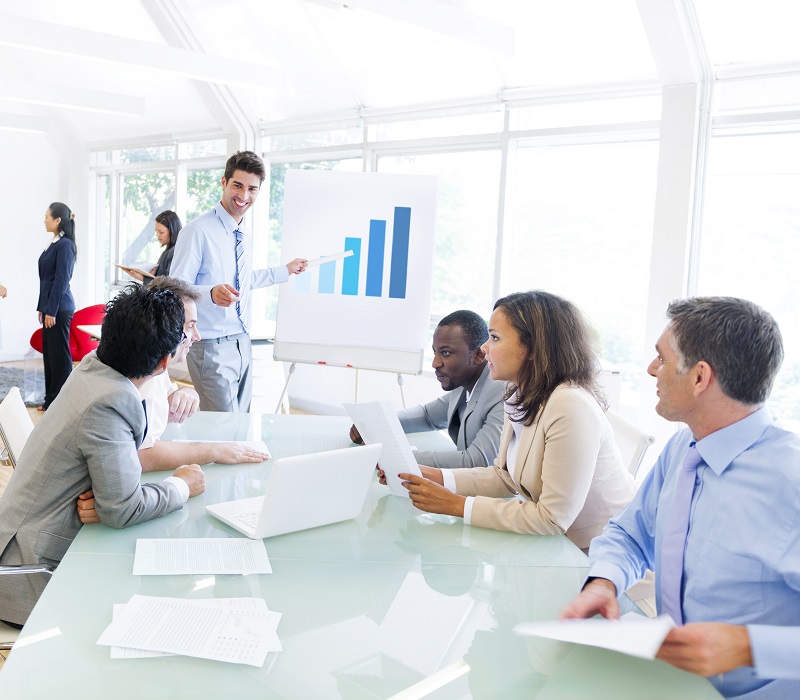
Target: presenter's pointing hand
x,y
194,477
297,266
224,295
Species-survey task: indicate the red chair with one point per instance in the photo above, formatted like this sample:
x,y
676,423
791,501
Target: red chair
x,y
80,342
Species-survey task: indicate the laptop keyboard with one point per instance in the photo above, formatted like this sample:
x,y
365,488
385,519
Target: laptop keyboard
x,y
249,519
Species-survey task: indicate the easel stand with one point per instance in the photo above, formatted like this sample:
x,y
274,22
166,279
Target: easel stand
x,y
401,380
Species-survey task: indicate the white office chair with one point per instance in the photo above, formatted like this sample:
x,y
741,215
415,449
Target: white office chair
x,y
632,442
15,426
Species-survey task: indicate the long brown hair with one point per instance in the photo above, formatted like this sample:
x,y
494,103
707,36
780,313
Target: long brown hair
x,y
559,342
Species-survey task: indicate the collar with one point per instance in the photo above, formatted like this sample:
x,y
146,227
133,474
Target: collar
x,y
227,221
719,449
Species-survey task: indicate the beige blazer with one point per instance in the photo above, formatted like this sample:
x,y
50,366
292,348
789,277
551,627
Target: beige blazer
x,y
568,471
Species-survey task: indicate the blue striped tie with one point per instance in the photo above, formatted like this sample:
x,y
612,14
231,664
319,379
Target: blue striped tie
x,y
242,281
673,545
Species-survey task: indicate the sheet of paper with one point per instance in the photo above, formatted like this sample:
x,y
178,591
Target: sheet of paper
x,y
330,258
244,604
259,445
195,628
632,634
201,555
377,422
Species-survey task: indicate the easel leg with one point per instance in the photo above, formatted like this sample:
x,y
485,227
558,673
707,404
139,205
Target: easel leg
x,y
285,389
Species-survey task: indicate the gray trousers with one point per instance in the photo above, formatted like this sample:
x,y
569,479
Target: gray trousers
x,y
221,372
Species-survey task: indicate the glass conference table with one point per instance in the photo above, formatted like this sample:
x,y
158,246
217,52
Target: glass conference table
x,y
397,603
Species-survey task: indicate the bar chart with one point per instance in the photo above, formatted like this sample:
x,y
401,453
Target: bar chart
x,y
369,259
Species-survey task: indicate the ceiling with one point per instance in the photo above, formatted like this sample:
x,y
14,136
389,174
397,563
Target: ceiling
x,y
132,69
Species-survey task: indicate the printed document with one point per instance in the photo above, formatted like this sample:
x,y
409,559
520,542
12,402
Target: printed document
x,y
201,555
234,633
377,421
632,634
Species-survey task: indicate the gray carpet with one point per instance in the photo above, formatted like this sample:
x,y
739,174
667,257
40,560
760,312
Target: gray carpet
x,y
30,383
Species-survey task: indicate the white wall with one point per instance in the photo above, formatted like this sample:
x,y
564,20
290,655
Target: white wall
x,y
38,169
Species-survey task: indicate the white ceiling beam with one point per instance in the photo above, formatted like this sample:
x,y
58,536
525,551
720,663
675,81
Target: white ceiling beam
x,y
70,98
438,17
23,122
21,33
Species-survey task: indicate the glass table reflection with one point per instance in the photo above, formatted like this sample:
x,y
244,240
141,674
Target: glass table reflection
x,y
396,603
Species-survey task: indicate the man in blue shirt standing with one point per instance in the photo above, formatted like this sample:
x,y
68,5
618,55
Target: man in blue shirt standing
x,y
213,253
717,518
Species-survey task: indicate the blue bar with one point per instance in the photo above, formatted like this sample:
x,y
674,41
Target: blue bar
x,y
399,269
377,246
302,282
327,276
351,266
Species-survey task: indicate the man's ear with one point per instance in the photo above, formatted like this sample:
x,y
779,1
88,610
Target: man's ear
x,y
162,365
478,356
703,377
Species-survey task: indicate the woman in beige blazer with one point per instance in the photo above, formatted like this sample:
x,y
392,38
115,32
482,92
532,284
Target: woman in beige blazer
x,y
559,469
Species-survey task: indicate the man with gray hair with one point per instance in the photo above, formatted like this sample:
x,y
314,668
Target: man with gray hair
x,y
717,518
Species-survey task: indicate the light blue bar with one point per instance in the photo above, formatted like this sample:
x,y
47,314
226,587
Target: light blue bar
x,y
302,282
377,246
327,276
351,266
398,274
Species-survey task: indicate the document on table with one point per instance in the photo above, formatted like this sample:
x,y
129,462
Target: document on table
x,y
234,630
202,555
377,422
632,634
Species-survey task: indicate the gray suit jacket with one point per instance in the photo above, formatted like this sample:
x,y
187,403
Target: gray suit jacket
x,y
479,435
87,439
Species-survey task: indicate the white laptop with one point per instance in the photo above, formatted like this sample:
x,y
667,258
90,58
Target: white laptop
x,y
305,491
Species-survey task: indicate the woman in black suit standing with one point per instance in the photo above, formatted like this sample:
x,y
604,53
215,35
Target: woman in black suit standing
x,y
56,305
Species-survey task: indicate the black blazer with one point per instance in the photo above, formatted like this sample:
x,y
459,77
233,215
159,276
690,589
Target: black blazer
x,y
55,272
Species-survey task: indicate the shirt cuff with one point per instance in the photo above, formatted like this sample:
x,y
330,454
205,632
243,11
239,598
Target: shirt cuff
x,y
774,651
281,274
611,572
181,485
449,481
468,503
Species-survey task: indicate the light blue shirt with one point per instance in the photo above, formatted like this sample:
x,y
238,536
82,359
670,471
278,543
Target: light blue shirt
x,y
205,256
742,561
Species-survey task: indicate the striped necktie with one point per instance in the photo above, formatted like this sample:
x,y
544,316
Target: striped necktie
x,y
673,545
242,281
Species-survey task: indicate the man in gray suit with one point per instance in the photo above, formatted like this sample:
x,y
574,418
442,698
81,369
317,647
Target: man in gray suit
x,y
89,437
472,410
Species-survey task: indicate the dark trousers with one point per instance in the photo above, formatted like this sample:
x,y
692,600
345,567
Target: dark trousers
x,y
57,357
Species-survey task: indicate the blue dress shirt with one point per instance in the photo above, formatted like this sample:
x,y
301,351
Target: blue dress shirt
x,y
742,561
205,256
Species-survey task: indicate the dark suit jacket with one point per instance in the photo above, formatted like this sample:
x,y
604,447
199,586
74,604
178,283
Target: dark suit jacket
x,y
55,272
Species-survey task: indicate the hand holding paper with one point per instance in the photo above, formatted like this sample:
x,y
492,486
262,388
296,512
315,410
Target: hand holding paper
x,y
378,422
632,634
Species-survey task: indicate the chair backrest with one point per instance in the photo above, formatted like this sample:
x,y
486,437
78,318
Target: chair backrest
x,y
15,425
36,340
632,442
81,343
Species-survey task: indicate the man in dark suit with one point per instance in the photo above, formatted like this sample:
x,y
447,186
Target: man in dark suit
x,y
88,438
472,410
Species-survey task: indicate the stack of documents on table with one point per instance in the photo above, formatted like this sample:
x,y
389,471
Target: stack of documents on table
x,y
632,634
234,630
377,422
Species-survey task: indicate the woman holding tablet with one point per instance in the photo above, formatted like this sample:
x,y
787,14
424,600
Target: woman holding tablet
x,y
559,469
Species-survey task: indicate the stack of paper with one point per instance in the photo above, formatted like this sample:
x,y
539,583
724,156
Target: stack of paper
x,y
632,634
201,555
234,630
